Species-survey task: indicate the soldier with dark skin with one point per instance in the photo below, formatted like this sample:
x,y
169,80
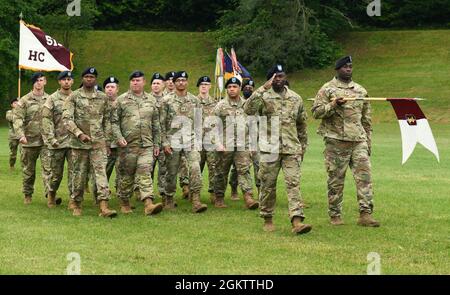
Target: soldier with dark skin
x,y
276,102
87,117
346,127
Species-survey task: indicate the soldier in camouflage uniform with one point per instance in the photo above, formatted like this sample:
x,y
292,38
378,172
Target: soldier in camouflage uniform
x,y
136,129
56,137
178,113
86,114
27,125
234,149
12,139
183,172
248,86
158,86
275,101
207,156
346,127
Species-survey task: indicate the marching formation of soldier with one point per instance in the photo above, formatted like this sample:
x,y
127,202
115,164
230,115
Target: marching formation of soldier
x,y
97,131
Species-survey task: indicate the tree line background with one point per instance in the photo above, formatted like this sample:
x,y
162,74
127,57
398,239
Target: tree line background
x,y
297,33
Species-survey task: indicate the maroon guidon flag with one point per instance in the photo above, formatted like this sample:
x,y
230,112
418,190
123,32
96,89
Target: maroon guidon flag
x,y
40,52
414,127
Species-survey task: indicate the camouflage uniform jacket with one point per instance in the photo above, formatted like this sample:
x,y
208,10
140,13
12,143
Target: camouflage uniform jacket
x,y
28,119
136,119
10,119
350,121
233,109
88,113
53,129
289,108
173,107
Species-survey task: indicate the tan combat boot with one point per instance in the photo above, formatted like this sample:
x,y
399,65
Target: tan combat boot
x,y
212,198
150,208
27,200
366,219
71,205
268,224
76,208
298,227
219,202
51,200
197,206
169,203
185,191
336,220
249,202
105,211
234,195
125,207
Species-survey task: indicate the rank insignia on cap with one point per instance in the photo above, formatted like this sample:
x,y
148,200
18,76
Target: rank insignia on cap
x,y
280,68
111,80
233,80
91,70
183,74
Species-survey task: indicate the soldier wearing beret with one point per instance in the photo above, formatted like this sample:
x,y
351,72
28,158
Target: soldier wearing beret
x,y
12,139
248,86
346,127
207,157
158,87
274,99
136,129
27,126
231,150
183,173
56,136
178,113
86,114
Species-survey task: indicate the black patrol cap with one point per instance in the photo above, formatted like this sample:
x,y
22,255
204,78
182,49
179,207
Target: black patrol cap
x,y
343,61
180,74
36,76
137,74
13,100
249,82
203,79
170,75
90,71
233,80
65,74
275,70
157,76
110,79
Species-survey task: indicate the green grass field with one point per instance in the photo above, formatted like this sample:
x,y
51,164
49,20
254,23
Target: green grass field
x,y
411,201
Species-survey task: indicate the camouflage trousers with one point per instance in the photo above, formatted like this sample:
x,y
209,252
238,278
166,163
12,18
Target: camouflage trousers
x,y
338,156
173,163
28,159
111,162
135,171
162,171
234,177
209,158
184,171
84,160
57,159
13,147
269,169
242,161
